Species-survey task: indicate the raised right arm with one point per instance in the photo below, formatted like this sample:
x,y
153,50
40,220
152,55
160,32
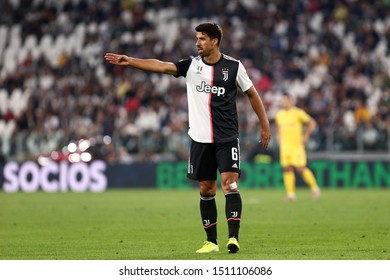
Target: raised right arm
x,y
149,65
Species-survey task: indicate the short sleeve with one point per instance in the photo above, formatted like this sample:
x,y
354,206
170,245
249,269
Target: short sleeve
x,y
243,80
303,116
182,67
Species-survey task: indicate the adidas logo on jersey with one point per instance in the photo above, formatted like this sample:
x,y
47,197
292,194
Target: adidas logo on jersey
x,y
235,165
210,89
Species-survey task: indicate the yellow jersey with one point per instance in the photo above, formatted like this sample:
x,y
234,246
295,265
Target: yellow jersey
x,y
290,124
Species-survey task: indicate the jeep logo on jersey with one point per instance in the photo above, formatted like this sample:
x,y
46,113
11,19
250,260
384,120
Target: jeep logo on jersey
x,y
210,89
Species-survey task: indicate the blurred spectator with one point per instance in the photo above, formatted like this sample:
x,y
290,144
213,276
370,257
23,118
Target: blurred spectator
x,y
361,114
370,136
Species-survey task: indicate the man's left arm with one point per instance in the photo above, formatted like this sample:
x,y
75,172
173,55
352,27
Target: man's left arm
x,y
258,107
311,124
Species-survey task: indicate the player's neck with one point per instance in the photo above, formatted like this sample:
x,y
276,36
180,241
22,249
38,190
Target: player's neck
x,y
213,58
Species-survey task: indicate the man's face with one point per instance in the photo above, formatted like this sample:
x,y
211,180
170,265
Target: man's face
x,y
286,102
205,44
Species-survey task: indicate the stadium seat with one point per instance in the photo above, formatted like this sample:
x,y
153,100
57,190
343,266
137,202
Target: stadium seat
x,y
15,39
9,128
22,54
17,102
3,36
3,101
92,27
46,43
2,126
10,59
30,42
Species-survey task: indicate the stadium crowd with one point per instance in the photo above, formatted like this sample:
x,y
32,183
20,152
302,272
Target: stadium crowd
x,y
56,89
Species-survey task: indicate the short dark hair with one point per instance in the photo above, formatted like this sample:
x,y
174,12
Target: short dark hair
x,y
212,30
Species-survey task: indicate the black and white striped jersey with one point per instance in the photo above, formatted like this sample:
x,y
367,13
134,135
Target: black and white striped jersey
x,y
211,93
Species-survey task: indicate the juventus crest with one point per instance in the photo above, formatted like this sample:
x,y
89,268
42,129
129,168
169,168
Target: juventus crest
x,y
225,74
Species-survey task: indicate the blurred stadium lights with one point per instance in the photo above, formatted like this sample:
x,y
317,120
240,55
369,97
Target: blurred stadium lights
x,y
84,145
107,140
72,147
80,152
73,158
86,157
42,160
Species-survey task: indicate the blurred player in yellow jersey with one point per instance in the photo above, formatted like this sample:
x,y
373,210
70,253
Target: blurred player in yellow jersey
x,y
294,127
